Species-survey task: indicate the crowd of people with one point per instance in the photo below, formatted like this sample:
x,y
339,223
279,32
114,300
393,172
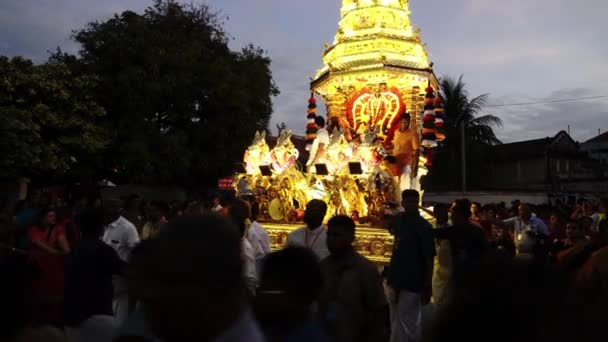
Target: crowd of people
x,y
134,270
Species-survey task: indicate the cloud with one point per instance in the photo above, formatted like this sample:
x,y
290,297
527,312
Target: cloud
x,y
584,117
517,50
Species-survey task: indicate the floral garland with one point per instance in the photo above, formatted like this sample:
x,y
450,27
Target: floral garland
x,y
311,127
429,138
439,119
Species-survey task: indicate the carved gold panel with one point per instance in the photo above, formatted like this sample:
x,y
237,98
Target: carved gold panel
x,y
374,243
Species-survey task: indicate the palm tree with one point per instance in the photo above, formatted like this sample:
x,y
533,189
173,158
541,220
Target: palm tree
x,y
460,110
462,115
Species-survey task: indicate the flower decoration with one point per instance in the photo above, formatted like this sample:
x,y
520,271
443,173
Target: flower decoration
x,y
311,128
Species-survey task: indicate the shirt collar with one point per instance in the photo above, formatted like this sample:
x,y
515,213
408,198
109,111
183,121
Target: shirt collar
x,y
116,222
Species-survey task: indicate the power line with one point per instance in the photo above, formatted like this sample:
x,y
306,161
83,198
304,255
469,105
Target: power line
x,y
547,102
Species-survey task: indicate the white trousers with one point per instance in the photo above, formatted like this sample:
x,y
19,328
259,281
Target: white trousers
x,y
407,320
120,304
405,179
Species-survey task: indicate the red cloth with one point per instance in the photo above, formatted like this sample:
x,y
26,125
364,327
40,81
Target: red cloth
x,y
48,287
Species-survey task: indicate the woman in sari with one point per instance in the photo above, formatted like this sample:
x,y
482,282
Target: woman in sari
x,y
49,245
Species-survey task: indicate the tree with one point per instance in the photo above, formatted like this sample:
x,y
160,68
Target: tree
x,y
49,123
461,110
182,104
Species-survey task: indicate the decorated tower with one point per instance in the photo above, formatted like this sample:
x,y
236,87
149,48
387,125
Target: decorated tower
x,y
377,67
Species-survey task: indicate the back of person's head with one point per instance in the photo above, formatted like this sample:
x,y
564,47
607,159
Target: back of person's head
x,y
488,208
290,284
240,211
292,274
342,222
320,121
315,213
340,235
461,210
189,280
410,194
92,222
410,200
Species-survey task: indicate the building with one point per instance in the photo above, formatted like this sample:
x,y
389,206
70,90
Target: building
x,y
551,165
597,148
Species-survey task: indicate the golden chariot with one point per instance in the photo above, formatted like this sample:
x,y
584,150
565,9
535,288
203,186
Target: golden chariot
x,y
376,69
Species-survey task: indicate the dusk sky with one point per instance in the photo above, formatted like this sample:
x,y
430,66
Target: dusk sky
x,y
519,51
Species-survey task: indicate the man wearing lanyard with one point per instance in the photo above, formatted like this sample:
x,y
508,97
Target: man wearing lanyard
x,y
314,235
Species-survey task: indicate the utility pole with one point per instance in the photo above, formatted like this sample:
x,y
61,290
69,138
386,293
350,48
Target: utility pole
x,y
463,157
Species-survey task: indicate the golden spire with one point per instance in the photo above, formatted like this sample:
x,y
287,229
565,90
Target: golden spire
x,y
376,46
349,5
375,31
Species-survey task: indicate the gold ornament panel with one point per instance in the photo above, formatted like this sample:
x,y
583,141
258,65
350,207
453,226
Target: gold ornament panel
x,y
375,243
380,49
364,22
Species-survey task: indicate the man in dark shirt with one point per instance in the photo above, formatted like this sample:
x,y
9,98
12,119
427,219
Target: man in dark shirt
x,y
411,268
89,290
352,305
467,242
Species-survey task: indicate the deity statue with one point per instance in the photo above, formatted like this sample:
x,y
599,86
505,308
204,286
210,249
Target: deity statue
x,y
256,154
406,144
339,152
284,155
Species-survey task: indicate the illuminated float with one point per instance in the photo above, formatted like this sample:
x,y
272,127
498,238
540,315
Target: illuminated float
x,y
376,71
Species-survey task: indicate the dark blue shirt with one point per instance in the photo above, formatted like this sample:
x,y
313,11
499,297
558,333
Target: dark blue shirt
x,y
413,251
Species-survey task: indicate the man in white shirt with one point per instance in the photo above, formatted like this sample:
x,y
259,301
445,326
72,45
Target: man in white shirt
x,y
522,224
319,145
239,212
314,235
258,237
121,235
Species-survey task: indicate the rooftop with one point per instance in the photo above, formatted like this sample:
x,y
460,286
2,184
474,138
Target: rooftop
x,y
561,143
600,138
